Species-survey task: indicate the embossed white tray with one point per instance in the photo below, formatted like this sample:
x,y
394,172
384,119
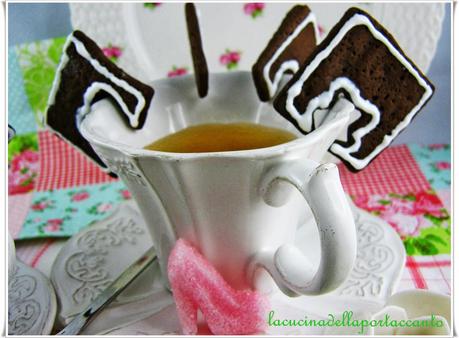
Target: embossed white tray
x,y
31,302
100,253
153,38
94,257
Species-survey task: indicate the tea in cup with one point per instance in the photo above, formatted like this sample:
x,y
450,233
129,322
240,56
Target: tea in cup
x,y
217,137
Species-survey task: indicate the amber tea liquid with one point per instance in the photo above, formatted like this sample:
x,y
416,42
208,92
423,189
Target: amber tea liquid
x,y
217,137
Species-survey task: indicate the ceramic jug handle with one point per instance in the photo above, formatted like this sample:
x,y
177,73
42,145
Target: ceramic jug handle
x,y
321,187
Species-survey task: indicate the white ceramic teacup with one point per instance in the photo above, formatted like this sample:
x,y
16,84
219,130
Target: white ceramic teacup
x,y
240,208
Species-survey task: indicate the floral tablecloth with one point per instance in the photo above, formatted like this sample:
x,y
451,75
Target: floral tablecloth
x,y
54,191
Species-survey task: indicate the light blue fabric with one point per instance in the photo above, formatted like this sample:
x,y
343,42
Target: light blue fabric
x,y
435,163
20,115
64,212
28,22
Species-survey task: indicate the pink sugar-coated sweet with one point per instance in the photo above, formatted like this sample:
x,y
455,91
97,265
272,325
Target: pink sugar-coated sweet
x,y
196,284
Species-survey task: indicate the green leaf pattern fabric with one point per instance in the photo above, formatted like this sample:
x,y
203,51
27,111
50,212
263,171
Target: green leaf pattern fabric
x,y
38,62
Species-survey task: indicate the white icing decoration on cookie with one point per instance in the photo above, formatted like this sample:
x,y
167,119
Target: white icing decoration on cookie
x,y
92,91
289,64
96,86
324,99
60,67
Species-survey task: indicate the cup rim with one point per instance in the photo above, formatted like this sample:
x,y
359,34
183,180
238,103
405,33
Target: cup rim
x,y
266,152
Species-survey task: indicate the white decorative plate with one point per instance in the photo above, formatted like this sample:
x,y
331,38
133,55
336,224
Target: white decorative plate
x,y
153,42
96,256
100,254
31,302
11,255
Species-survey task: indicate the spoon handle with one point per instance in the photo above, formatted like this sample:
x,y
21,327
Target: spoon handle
x,y
110,293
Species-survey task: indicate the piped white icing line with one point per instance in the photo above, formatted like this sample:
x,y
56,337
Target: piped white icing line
x,y
96,86
289,64
92,91
323,100
60,67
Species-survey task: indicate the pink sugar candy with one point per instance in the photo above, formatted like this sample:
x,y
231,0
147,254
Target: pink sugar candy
x,y
196,284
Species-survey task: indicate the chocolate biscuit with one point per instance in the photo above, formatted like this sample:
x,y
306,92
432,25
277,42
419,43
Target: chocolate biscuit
x,y
360,60
291,44
201,72
86,75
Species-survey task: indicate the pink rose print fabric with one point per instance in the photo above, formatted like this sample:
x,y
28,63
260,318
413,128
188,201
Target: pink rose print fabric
x,y
23,163
151,5
43,204
112,52
177,71
125,194
22,172
53,225
442,165
254,9
80,196
230,59
420,219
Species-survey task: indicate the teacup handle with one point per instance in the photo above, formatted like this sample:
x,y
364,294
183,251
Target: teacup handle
x,y
321,187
